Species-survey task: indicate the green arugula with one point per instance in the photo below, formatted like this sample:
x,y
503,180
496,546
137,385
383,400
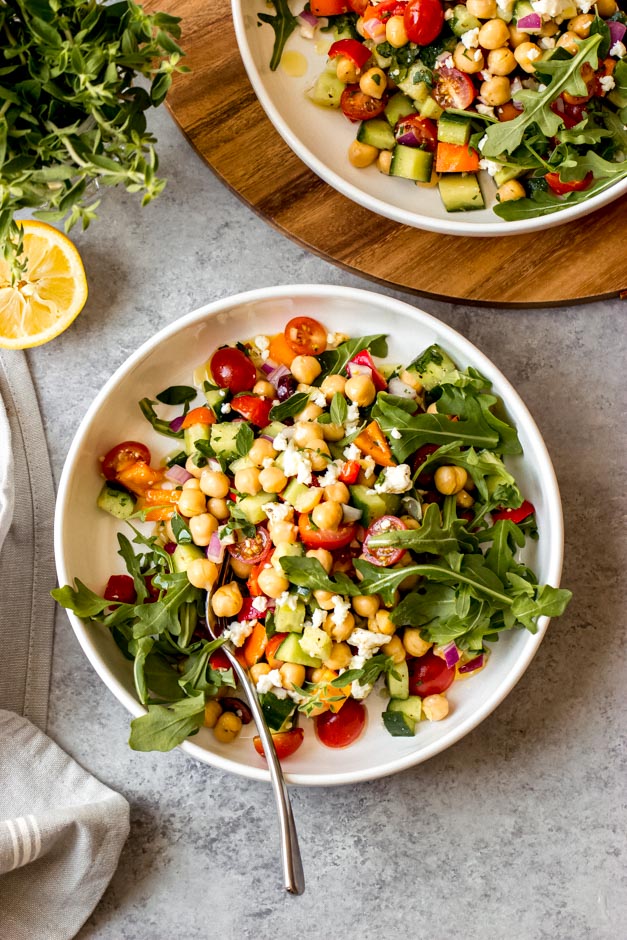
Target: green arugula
x,y
133,566
431,538
495,484
81,600
309,573
334,361
177,395
368,674
290,407
166,726
181,530
283,23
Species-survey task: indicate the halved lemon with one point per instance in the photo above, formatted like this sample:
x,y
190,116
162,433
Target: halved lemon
x,y
50,294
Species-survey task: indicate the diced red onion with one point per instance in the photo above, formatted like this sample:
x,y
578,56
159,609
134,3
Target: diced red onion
x,y
449,653
178,474
215,549
277,373
408,139
268,366
396,386
471,666
175,425
170,547
266,437
214,464
442,57
617,31
530,23
374,29
355,368
308,17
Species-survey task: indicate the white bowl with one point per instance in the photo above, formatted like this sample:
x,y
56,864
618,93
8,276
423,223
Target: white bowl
x,y
86,544
321,137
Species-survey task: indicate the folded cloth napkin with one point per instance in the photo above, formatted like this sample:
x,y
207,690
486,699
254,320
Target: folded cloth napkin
x,y
61,831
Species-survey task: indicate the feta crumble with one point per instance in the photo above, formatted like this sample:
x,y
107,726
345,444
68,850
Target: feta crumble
x,y
341,609
352,452
396,434
396,480
318,398
331,474
318,617
238,631
287,600
278,512
260,604
261,342
618,49
367,643
546,42
225,408
485,109
267,462
607,83
489,166
360,691
470,38
297,464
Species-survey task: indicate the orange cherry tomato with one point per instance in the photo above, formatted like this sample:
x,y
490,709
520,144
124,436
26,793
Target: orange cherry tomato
x,y
306,336
123,455
201,415
324,538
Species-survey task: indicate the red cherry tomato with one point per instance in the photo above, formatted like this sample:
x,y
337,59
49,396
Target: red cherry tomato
x,y
120,587
423,20
383,11
571,114
341,728
357,106
349,472
253,582
253,408
358,6
253,550
453,89
352,49
525,510
219,661
424,130
429,675
305,336
271,647
153,591
122,456
425,478
324,538
286,743
231,368
387,555
560,187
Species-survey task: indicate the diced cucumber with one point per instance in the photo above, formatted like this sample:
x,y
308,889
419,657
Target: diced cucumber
x,y
290,651
252,507
460,192
274,428
291,549
197,432
184,555
618,98
327,91
454,129
373,505
410,706
462,20
505,10
288,619
242,463
215,396
223,439
414,84
277,711
398,688
399,106
430,109
507,173
316,643
399,725
431,366
411,163
376,133
118,502
293,490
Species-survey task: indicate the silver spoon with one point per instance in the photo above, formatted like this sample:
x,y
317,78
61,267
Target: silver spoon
x,y
293,875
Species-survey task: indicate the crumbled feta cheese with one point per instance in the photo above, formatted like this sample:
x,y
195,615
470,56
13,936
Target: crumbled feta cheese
x,y
352,452
287,600
485,109
267,462
357,662
483,141
449,63
331,474
618,49
281,440
334,339
226,538
396,480
367,642
449,14
238,631
278,512
607,83
225,408
368,464
541,87
470,38
584,6
318,617
318,398
297,464
260,604
261,342
341,608
396,434
360,691
552,9
352,413
546,42
271,682
489,166
533,54
505,6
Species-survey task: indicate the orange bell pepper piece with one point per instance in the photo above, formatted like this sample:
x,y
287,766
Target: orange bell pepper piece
x,y
326,693
157,497
255,645
329,8
159,513
456,158
139,477
201,415
372,442
279,351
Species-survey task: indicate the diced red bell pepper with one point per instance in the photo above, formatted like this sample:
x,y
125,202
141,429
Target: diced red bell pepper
x,y
350,472
354,50
249,612
121,588
364,358
254,408
560,187
525,510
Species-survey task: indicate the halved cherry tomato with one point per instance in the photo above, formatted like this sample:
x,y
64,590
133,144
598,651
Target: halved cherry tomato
x,y
123,455
253,550
383,11
364,358
231,368
306,336
352,49
525,510
324,538
120,587
424,130
253,581
253,408
506,112
571,114
423,20
219,661
153,591
286,743
357,106
341,728
139,477
429,675
271,647
349,472
572,186
426,450
386,555
201,415
453,89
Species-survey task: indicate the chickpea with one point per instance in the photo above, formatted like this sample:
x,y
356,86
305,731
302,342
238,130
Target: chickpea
x,y
493,34
327,515
360,389
526,55
292,675
464,500
202,528
410,522
435,707
213,710
248,481
192,503
517,36
319,675
339,631
305,369
259,670
214,483
260,451
366,605
271,582
501,61
283,531
359,26
382,623
512,189
265,389
395,649
338,492
191,467
468,60
192,484
239,569
305,502
310,412
384,162
272,480
411,379
414,643
395,32
580,25
340,657
482,9
307,433
324,557
606,8
373,83
449,480
227,727
496,90
549,28
361,155
227,600
325,599
318,459
346,70
332,432
332,385
219,509
568,41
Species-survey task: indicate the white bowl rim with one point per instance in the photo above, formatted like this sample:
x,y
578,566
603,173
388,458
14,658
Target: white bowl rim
x,y
459,226
554,524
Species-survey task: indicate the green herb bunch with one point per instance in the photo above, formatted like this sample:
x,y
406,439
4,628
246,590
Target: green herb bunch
x,y
70,111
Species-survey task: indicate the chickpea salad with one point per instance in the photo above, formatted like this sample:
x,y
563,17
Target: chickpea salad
x,y
372,528
531,92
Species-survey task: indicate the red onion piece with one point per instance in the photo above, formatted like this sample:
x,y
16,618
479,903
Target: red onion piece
x,y
449,653
617,31
266,437
277,373
471,666
215,549
308,17
175,425
170,547
354,368
408,139
178,474
530,23
374,29
268,366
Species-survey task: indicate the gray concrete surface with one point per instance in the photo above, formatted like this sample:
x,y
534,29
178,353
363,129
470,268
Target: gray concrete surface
x,y
517,832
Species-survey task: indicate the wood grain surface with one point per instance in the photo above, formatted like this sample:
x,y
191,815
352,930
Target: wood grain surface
x,y
217,110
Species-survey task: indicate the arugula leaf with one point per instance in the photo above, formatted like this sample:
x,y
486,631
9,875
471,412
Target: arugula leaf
x,y
492,479
195,674
431,538
290,407
546,601
177,395
543,203
368,673
466,402
334,361
181,530
159,424
244,439
188,619
81,600
133,566
600,26
162,679
141,648
339,409
308,572
166,726
283,23
159,616
474,573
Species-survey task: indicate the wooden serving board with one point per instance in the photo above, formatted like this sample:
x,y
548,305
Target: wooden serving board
x,y
216,108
